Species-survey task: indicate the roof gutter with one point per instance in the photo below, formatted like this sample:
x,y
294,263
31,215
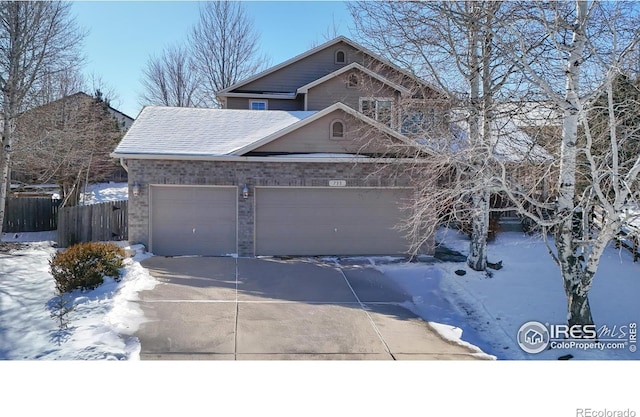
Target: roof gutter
x,y
279,159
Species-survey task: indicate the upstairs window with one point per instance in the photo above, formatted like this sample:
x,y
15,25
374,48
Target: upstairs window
x,y
258,104
341,57
337,129
380,109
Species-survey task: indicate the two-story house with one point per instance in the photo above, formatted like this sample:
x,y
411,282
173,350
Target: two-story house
x,y
295,163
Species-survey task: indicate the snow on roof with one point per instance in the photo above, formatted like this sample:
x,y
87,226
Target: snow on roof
x,y
508,141
201,132
512,144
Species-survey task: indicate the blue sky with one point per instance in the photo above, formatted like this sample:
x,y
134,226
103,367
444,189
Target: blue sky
x,y
123,34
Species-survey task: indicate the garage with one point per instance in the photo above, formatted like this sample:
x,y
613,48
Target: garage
x,y
193,220
329,221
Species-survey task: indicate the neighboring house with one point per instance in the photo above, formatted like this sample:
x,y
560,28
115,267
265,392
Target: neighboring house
x,y
67,142
296,162
123,120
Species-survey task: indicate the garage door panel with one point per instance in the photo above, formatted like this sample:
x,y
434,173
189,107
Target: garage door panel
x,y
193,221
318,221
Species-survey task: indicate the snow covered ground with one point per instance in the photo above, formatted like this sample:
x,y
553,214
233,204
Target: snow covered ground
x,y
103,192
489,311
99,326
96,193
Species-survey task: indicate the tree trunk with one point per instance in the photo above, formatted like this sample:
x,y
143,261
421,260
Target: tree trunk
x,y
477,258
5,161
569,255
579,309
4,174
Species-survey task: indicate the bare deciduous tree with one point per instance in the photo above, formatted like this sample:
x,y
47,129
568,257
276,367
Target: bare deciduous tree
x,y
55,86
452,45
171,80
225,47
567,56
36,39
222,49
68,142
587,45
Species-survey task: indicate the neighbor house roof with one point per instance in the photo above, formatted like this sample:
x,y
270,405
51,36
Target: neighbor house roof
x,y
508,142
203,132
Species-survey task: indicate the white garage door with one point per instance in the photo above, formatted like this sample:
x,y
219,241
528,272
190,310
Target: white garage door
x,y
329,221
193,220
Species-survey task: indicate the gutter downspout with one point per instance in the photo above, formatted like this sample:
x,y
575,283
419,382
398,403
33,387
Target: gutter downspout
x,y
124,165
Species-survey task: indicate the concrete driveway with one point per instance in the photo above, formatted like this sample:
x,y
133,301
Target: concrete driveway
x,y
245,308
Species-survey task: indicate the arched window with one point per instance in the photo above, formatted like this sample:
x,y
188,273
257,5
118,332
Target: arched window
x,y
341,57
337,129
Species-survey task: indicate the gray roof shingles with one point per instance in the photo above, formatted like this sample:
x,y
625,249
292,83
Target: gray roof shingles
x,y
201,132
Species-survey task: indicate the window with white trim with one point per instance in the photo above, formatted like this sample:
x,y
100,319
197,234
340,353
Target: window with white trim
x,y
258,105
337,129
380,109
340,57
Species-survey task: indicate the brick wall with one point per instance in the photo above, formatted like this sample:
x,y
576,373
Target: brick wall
x,y
238,173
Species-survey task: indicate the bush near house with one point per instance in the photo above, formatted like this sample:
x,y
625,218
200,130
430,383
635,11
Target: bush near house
x,y
85,265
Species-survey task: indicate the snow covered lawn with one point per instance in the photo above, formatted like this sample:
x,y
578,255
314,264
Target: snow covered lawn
x,y
99,193
103,192
99,326
488,312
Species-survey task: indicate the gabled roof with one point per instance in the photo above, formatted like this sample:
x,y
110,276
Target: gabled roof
x,y
195,132
226,91
317,115
200,132
508,142
305,88
81,94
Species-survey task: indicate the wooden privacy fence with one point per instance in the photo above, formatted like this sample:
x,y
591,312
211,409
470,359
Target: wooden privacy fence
x,y
92,223
629,237
30,214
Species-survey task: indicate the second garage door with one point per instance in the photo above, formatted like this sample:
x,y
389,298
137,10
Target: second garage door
x,y
193,220
329,221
